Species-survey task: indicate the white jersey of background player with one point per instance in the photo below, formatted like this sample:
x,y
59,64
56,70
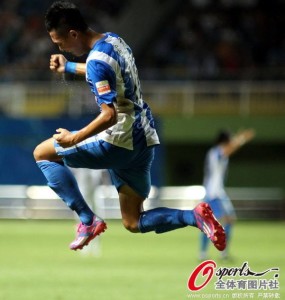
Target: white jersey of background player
x,y
216,166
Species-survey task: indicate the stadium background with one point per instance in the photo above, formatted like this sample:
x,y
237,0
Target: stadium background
x,y
204,65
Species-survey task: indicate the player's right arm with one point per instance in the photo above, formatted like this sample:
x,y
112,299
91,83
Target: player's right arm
x,y
238,140
59,64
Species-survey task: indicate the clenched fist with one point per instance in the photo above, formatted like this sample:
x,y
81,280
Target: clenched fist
x,y
64,138
57,63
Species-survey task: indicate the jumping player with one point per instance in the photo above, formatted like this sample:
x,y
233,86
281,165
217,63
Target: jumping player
x,y
122,138
216,166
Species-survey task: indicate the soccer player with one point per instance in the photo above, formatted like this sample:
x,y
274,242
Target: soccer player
x,y
122,138
216,166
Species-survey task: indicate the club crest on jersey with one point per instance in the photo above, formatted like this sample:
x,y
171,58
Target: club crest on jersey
x,y
103,87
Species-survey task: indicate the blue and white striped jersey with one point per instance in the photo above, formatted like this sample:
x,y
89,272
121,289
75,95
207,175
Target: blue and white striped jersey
x,y
113,78
216,165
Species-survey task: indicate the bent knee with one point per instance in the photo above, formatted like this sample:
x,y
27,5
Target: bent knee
x,y
39,153
131,226
46,151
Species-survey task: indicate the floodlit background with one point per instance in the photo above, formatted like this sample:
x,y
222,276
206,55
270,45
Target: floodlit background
x,y
204,65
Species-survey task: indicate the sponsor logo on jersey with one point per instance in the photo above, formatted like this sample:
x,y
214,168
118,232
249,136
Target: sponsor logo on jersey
x,y
103,87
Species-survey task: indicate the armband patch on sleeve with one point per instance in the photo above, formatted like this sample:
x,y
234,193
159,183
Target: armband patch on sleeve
x,y
103,87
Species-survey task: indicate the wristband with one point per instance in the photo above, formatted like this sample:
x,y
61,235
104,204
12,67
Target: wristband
x,y
70,67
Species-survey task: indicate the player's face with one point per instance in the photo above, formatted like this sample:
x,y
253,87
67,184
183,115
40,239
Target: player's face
x,y
70,43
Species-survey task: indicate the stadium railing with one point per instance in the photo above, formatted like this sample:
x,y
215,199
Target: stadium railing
x,y
45,99
40,202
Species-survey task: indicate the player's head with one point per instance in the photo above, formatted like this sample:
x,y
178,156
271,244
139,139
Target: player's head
x,y
65,25
223,137
64,16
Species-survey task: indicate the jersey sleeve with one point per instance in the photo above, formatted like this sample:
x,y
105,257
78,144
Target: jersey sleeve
x,y
102,80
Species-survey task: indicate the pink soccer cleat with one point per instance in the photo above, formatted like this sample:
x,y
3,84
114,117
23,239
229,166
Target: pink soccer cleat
x,y
85,233
207,223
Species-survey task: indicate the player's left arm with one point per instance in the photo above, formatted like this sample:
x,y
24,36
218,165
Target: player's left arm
x,y
106,119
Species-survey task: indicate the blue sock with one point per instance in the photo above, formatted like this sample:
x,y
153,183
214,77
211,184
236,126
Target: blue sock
x,y
164,219
62,181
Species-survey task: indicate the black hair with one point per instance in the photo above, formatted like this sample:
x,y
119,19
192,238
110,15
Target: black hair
x,y
223,137
63,16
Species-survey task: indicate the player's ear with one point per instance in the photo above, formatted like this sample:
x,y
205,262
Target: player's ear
x,y
73,34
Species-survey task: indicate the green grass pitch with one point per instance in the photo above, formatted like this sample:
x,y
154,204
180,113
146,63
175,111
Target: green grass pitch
x,y
35,262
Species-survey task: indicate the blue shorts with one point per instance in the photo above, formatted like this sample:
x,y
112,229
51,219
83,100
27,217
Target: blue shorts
x,y
131,167
221,207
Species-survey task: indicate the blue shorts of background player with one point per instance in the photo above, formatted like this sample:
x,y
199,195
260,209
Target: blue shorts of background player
x,y
222,207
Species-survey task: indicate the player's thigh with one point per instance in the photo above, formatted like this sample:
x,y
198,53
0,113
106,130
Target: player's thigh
x,y
131,206
46,151
136,173
94,153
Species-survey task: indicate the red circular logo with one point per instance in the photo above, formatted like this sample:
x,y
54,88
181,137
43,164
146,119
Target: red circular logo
x,y
205,268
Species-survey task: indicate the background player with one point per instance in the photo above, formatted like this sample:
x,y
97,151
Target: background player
x,y
216,166
122,138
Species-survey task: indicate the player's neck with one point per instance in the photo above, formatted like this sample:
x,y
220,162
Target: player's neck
x,y
93,37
